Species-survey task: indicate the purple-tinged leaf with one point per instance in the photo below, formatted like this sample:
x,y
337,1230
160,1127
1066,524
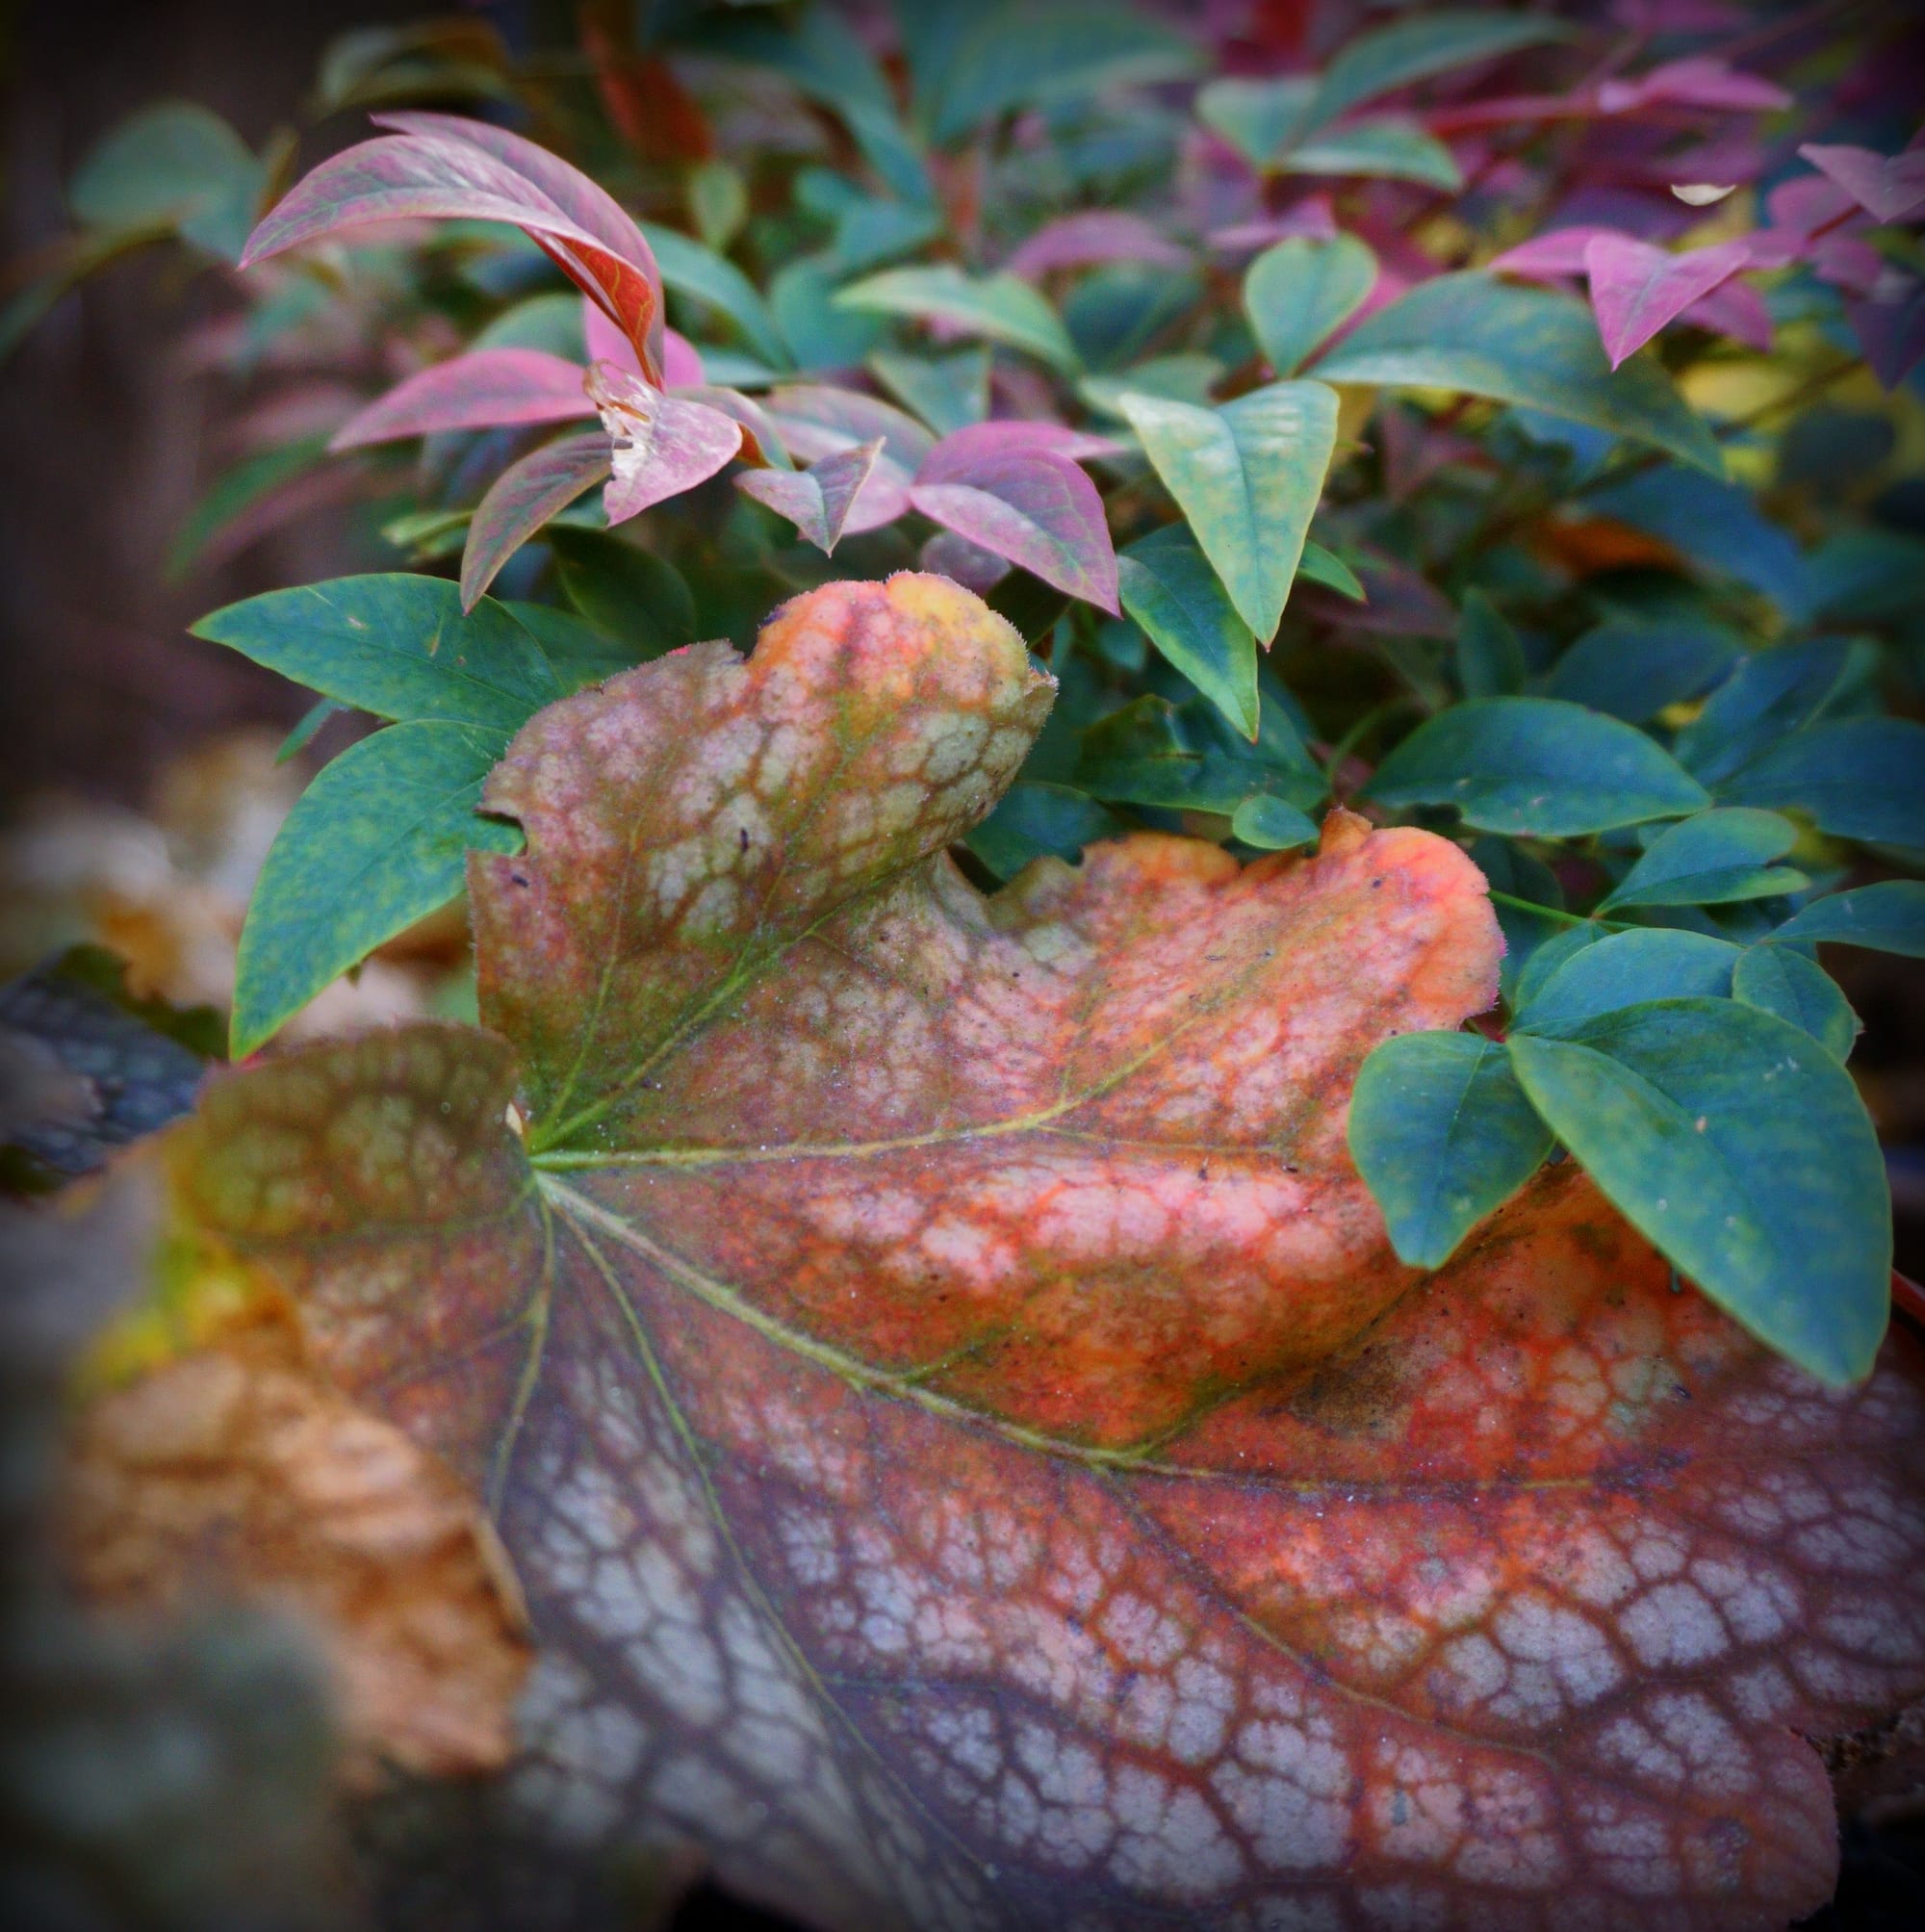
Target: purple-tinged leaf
x,y
1637,289
815,420
817,501
962,450
1039,510
522,499
1551,256
1889,187
1678,16
486,389
762,442
1095,235
585,201
1890,327
606,342
682,361
422,174
1695,81
964,563
1734,309
663,444
1847,262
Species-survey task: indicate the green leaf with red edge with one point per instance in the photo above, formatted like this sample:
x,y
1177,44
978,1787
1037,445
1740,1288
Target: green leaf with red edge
x,y
972,1452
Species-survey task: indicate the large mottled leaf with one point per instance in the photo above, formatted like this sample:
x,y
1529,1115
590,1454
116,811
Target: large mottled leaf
x,y
1471,332
1247,476
970,1450
486,389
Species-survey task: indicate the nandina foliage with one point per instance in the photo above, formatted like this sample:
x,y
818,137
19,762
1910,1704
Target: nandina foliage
x,y
972,1453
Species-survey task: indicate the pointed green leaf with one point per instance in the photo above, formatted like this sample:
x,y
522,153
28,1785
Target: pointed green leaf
x,y
1714,858
1387,148
1258,119
1474,333
1488,653
1317,565
1599,973
948,392
1169,587
1776,979
1889,917
691,269
1857,778
1633,670
1247,476
1033,821
1297,293
628,593
1730,1140
1001,308
396,645
1270,825
1442,1134
1536,765
379,841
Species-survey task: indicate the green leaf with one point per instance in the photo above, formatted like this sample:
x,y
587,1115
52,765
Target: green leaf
x,y
1168,586
1247,476
1430,41
1317,565
1600,974
691,269
821,334
396,645
1187,376
1474,333
718,201
1529,909
1729,1139
1857,778
948,392
1270,825
1488,653
1889,917
173,165
581,653
1258,119
1549,955
307,729
1299,291
377,842
627,592
1633,670
1768,696
1388,148
1776,979
1442,1134
1536,765
1185,757
1023,52
1033,821
1001,308
1714,858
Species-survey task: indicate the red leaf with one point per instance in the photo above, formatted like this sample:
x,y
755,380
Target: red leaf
x,y
972,1456
1035,507
442,165
486,389
816,500
662,444
1092,236
1637,289
1889,187
522,499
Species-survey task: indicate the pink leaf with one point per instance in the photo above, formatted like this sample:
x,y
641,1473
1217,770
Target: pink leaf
x,y
964,563
1890,328
1095,235
420,175
1678,16
1889,187
682,361
1694,82
663,444
761,443
607,342
1547,257
1313,218
522,499
1737,310
1037,509
963,450
1637,289
486,389
815,420
1806,203
817,501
